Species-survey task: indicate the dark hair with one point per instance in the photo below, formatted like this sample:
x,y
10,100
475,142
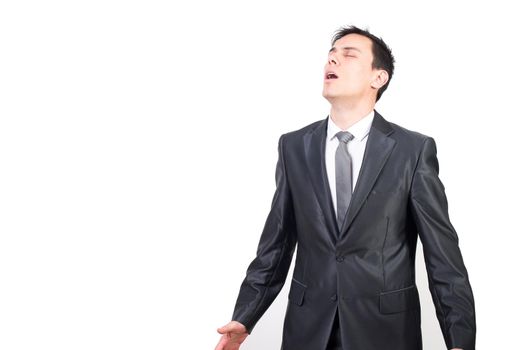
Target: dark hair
x,y
382,56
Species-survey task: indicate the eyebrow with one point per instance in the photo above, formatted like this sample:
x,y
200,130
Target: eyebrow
x,y
346,48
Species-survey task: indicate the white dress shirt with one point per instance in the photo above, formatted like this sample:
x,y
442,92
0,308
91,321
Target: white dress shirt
x,y
356,149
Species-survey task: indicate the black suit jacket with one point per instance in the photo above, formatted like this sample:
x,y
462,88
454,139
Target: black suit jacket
x,y
366,270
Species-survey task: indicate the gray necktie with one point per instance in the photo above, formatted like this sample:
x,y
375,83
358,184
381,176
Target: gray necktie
x,y
343,175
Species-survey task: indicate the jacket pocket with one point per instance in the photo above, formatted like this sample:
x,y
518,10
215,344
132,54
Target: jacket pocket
x,y
399,300
296,292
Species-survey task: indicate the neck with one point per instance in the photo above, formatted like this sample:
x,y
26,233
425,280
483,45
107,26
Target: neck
x,y
344,115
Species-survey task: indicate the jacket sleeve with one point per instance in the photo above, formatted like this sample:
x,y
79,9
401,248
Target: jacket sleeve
x,y
267,273
448,279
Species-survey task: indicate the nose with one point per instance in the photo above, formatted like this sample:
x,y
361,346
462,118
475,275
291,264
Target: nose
x,y
332,59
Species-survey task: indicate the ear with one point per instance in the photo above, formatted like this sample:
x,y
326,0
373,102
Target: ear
x,y
381,78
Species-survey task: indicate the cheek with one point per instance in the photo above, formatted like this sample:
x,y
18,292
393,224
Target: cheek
x,y
355,80
363,79
356,74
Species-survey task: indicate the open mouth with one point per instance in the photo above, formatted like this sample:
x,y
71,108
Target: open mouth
x,y
331,75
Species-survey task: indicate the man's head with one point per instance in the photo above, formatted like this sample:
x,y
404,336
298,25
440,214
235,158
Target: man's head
x,y
359,66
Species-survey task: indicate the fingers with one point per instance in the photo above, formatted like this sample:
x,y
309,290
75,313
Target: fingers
x,y
225,329
233,327
221,343
233,334
226,343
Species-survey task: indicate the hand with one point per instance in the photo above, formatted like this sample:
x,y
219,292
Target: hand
x,y
234,334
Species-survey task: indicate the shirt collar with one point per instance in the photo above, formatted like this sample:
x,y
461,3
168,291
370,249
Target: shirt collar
x,y
360,129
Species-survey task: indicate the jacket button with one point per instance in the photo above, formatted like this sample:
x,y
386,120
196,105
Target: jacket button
x,y
334,297
340,258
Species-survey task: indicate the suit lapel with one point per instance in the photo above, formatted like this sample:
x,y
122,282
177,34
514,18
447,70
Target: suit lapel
x,y
378,149
315,148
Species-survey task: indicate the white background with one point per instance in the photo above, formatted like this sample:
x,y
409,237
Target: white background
x,y
138,144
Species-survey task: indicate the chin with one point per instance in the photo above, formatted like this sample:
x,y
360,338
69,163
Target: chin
x,y
329,95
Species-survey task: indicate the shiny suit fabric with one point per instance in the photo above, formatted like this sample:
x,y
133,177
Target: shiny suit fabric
x,y
364,273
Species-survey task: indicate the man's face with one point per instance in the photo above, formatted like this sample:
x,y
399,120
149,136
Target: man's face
x,y
350,60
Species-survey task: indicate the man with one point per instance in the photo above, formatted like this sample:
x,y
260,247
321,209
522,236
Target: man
x,y
353,285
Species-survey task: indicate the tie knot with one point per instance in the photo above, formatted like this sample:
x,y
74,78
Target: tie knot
x,y
344,136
